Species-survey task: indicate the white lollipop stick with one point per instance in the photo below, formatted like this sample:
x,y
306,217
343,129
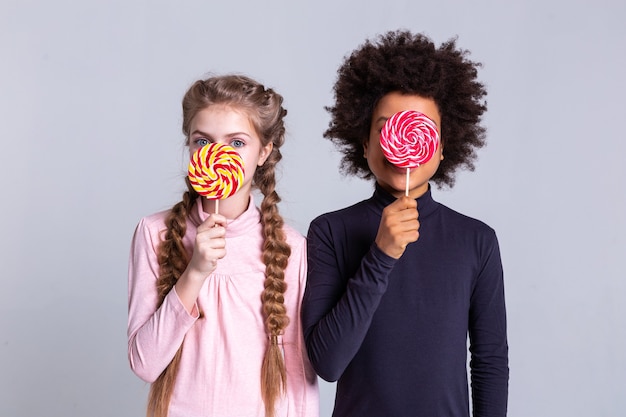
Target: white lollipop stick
x,y
408,173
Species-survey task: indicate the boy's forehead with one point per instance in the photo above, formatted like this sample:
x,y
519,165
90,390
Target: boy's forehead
x,y
395,102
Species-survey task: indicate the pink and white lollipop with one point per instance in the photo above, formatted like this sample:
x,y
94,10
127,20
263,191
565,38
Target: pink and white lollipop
x,y
409,139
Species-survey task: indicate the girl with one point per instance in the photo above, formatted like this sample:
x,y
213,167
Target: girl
x,y
214,299
397,283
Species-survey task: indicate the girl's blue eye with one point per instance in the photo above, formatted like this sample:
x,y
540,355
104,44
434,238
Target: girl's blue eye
x,y
236,143
202,142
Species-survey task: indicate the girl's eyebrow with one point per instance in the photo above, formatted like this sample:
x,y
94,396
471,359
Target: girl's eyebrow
x,y
229,135
199,132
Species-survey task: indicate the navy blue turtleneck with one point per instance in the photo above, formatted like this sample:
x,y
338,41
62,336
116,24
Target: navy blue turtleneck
x,y
394,333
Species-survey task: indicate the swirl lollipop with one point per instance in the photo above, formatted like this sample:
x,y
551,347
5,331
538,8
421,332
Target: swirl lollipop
x,y
409,139
216,171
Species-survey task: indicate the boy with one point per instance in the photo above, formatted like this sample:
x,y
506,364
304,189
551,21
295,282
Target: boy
x,y
397,283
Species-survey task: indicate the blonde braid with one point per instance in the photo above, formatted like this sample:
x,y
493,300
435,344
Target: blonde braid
x,y
173,259
275,255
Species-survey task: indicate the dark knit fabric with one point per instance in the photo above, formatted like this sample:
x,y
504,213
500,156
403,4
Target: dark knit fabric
x,y
394,333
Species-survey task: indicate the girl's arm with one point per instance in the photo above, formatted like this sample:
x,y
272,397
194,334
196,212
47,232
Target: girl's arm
x,y
154,335
305,373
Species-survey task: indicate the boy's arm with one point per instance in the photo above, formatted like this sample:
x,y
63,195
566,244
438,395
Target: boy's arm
x,y
337,310
488,339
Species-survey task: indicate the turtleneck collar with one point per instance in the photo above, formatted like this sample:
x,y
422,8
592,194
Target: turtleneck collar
x,y
425,204
242,225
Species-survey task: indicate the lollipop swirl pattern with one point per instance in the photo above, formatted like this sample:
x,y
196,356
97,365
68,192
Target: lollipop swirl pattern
x,y
216,171
409,139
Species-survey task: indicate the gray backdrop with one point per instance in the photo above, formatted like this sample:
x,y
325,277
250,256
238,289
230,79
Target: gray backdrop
x,y
90,127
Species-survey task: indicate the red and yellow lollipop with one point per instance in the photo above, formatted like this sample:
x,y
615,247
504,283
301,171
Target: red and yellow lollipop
x,y
216,171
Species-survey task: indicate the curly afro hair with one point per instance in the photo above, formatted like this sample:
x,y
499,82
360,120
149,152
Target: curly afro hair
x,y
400,61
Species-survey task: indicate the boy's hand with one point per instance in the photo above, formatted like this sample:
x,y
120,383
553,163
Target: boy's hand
x,y
398,227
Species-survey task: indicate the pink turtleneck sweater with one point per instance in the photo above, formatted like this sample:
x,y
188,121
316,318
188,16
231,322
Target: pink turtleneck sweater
x,y
220,367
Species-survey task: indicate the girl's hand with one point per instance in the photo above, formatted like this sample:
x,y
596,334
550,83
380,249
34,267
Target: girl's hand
x,y
398,227
209,247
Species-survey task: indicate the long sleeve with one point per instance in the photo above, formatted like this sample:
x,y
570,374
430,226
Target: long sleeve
x,y
219,373
300,372
488,340
154,335
337,314
394,333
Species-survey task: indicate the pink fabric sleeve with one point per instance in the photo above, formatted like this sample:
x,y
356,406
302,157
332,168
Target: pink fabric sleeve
x,y
154,335
310,391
